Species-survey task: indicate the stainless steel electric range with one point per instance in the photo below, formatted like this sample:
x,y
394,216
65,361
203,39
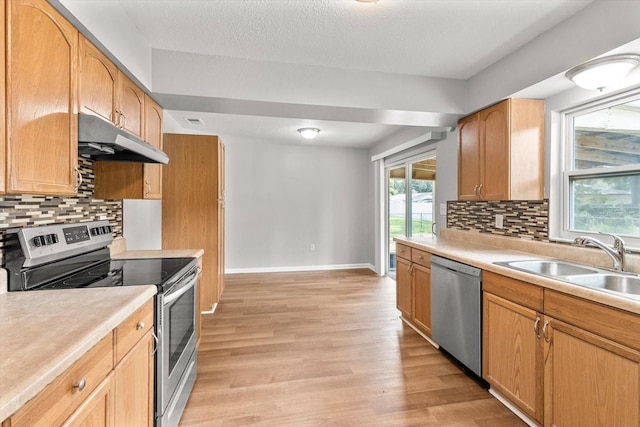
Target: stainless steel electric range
x,y
64,256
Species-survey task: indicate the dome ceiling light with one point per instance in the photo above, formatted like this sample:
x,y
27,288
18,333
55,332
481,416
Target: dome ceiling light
x,y
602,72
309,133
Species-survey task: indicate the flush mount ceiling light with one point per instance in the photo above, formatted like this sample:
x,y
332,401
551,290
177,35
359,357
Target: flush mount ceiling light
x,y
602,72
309,133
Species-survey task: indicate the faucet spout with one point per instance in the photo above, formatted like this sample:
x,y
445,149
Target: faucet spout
x,y
616,253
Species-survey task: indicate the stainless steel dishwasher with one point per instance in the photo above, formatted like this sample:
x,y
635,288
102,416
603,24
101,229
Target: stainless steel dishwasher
x,y
456,315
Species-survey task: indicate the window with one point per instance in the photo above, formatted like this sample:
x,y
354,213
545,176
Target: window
x,y
410,216
597,180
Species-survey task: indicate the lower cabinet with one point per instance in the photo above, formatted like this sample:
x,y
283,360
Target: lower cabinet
x,y
94,392
561,374
97,409
413,286
134,385
422,298
513,353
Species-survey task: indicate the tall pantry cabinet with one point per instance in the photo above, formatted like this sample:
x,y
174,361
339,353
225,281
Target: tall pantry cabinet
x,y
193,206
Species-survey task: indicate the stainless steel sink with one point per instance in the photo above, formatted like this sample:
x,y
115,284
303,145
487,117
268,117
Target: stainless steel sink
x,y
624,284
550,268
612,282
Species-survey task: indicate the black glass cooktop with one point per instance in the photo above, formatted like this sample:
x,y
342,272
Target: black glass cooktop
x,y
126,272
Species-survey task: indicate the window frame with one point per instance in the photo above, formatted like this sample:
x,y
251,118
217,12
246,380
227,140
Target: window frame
x,y
562,168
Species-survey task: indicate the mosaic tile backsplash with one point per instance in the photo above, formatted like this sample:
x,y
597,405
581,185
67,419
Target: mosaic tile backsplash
x,y
522,219
27,210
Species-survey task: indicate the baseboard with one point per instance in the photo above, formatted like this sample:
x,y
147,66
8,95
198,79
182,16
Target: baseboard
x,y
422,334
213,309
524,417
299,268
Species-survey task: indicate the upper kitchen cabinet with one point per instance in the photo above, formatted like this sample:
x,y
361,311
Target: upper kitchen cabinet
x,y
131,102
3,110
153,135
106,92
501,152
123,180
42,126
98,82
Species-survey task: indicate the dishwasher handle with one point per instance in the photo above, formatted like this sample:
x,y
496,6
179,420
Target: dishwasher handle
x,y
455,266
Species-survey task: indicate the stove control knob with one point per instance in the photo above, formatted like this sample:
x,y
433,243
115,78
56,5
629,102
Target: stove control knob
x,y
37,242
54,238
48,240
94,231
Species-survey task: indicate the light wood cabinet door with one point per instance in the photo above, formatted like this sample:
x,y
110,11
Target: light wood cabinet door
x,y
589,380
469,158
501,152
153,135
513,353
404,288
131,106
97,410
134,382
3,111
192,215
98,88
494,140
42,98
422,298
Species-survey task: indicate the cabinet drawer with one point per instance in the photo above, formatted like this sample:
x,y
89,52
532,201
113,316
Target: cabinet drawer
x,y
617,325
403,251
129,332
421,257
513,290
62,397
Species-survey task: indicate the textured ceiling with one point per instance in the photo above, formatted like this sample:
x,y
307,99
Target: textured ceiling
x,y
403,42
437,38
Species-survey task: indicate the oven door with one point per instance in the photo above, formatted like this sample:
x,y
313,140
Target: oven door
x,y
176,338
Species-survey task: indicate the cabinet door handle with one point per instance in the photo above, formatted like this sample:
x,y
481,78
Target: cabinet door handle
x,y
140,325
148,187
124,125
155,343
117,118
536,327
544,331
475,190
81,385
480,190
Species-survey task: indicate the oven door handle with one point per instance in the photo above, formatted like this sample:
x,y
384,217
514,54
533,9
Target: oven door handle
x,y
168,299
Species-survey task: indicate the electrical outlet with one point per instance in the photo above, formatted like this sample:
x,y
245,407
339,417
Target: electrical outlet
x,y
499,221
312,247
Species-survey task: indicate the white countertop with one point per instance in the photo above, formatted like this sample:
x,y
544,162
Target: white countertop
x,y
483,256
42,333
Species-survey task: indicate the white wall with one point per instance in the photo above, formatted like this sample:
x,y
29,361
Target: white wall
x,y
446,175
142,224
282,198
113,29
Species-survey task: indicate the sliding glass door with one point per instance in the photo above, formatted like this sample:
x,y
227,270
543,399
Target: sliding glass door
x,y
410,191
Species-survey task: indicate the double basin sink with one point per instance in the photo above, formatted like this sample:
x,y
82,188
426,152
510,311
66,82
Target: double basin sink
x,y
624,284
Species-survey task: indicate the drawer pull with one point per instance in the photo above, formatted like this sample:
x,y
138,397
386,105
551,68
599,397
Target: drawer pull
x,y
81,385
140,325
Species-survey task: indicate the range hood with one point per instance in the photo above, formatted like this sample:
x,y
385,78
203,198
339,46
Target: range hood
x,y
99,139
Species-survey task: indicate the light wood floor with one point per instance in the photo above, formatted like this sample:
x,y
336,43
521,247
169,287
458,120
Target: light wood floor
x,y
326,349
